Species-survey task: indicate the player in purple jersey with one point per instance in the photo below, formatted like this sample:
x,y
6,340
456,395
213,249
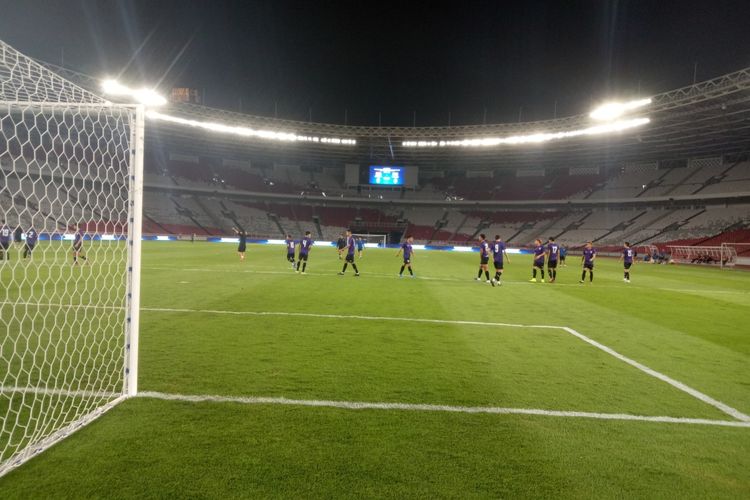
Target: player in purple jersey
x,y
305,245
628,258
31,238
291,245
5,237
553,255
408,251
78,247
539,252
242,246
484,258
587,260
351,246
498,252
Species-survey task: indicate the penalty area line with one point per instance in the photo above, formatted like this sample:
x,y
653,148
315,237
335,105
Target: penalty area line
x,y
421,407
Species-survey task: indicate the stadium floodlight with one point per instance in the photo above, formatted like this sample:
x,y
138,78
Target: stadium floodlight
x,y
539,137
613,110
247,131
147,97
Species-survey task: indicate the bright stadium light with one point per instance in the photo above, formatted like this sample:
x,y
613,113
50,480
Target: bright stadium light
x,y
536,138
612,110
247,131
147,97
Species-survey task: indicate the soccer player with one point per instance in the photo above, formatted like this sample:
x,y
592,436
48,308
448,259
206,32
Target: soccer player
x,y
350,247
5,237
484,258
553,255
360,246
291,246
628,258
305,245
78,247
31,238
589,254
539,252
498,252
341,245
563,254
243,242
408,252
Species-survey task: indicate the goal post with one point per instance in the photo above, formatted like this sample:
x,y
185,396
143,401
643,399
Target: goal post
x,y
71,183
370,239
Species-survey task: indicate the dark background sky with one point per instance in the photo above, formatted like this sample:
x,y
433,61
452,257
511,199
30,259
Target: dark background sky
x,y
391,58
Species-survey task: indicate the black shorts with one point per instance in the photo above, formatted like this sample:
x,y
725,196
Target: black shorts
x,y
241,247
303,256
407,262
498,265
628,264
538,263
588,265
290,256
551,264
484,260
78,247
4,244
562,258
350,257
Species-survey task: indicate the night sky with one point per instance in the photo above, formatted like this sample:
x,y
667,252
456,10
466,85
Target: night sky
x,y
391,59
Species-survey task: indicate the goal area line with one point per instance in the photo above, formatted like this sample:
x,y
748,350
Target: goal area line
x,y
422,407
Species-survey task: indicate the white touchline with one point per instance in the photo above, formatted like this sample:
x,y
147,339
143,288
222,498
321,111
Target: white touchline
x,y
660,376
494,410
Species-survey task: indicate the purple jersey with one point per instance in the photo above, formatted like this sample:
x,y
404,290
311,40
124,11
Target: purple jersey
x,y
588,255
628,254
406,247
554,251
4,234
31,236
539,253
290,247
484,249
305,245
497,250
351,244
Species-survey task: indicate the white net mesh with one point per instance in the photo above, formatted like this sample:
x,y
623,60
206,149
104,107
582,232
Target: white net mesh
x,y
65,161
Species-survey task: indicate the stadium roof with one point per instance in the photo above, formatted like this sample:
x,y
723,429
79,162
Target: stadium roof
x,y
709,118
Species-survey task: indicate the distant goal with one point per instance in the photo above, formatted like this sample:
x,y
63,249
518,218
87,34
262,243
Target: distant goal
x,y
723,256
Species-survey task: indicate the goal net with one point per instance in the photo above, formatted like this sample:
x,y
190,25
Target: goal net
x,y
372,239
721,256
69,179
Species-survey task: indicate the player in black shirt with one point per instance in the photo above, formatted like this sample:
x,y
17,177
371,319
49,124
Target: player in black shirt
x,y
243,242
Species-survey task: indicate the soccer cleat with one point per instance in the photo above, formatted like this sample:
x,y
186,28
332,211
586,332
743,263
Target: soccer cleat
x,y
341,274
400,275
413,276
581,282
533,280
488,281
542,280
627,281
477,279
356,275
303,272
296,271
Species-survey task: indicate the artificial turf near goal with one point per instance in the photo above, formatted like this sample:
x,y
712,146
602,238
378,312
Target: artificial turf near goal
x,y
351,340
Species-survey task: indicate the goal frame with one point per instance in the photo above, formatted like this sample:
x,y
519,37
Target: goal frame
x,y
383,238
731,245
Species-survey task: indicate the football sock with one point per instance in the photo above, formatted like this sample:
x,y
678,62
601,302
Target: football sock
x,y
410,271
542,271
304,266
533,273
591,275
479,274
402,270
355,268
487,275
583,275
344,269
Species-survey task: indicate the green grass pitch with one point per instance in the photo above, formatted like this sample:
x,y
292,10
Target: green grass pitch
x,y
199,337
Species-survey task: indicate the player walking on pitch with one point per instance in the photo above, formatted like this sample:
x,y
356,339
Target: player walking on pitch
x,y
242,246
587,260
305,245
408,251
498,252
31,238
539,252
5,237
78,247
351,246
291,245
553,255
628,258
484,258
360,246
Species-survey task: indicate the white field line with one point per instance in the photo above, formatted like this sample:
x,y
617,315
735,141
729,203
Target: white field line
x,y
333,274
360,405
645,369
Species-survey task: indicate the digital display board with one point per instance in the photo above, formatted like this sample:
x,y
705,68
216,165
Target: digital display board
x,y
387,176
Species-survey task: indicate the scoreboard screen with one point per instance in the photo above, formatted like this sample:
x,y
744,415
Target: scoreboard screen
x,y
387,176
